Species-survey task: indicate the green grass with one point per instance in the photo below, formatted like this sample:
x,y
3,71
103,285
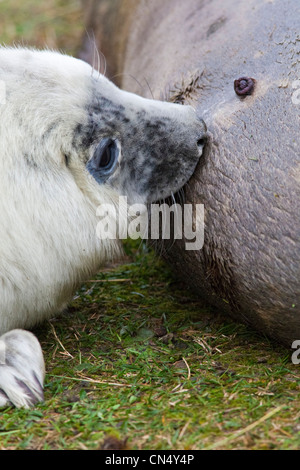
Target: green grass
x,y
57,24
137,361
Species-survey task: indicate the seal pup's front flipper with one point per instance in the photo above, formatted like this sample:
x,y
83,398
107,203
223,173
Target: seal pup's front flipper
x,y
22,369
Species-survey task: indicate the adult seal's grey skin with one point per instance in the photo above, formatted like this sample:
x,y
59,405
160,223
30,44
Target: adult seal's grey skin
x,y
249,178
71,142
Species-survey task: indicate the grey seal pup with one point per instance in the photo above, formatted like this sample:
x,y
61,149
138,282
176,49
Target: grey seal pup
x,y
70,141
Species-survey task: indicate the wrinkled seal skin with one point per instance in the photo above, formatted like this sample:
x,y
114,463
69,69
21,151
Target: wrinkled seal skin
x,y
249,179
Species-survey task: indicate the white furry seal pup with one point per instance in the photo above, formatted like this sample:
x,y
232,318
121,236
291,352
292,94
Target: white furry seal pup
x,y
70,141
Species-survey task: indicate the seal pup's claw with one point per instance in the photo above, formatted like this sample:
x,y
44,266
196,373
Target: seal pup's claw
x,y
22,370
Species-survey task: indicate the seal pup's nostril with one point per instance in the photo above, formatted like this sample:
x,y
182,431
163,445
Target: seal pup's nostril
x,y
201,133
201,142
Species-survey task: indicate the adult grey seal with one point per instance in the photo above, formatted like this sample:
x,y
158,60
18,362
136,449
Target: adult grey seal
x,y
70,142
205,53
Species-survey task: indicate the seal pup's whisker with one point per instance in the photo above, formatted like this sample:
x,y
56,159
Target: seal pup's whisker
x,y
130,76
149,88
96,56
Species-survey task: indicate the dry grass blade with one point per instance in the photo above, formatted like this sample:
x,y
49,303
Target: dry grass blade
x,y
227,440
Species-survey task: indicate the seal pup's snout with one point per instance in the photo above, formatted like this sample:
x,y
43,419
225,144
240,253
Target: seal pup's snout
x,y
196,135
171,143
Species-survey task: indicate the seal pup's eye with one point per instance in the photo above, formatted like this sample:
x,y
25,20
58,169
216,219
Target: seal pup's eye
x,y
103,162
105,154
